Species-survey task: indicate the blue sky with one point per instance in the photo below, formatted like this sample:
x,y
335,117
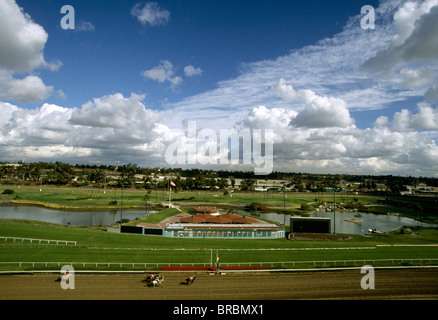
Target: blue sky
x,y
123,84
216,36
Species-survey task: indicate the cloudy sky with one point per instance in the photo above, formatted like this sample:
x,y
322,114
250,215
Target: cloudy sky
x,y
121,84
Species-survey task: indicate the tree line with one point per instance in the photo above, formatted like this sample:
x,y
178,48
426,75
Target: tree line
x,y
59,173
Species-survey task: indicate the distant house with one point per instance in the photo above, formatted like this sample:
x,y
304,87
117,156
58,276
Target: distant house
x,y
14,165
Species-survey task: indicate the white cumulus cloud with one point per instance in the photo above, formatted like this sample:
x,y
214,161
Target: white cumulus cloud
x,y
319,111
191,71
109,127
22,42
411,57
165,71
151,13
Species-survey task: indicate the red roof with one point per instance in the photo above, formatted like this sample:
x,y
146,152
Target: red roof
x,y
192,220
219,219
232,216
245,220
204,216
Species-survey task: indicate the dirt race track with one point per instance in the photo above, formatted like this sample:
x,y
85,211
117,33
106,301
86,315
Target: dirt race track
x,y
389,284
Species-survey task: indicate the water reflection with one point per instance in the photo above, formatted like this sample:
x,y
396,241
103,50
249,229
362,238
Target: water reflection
x,y
381,222
76,218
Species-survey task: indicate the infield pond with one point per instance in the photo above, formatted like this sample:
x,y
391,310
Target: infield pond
x,y
350,223
75,218
367,221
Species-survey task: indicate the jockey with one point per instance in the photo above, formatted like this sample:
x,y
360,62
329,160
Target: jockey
x,y
65,276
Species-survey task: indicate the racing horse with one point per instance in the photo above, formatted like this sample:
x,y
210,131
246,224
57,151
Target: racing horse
x,y
150,278
64,277
189,280
153,280
156,282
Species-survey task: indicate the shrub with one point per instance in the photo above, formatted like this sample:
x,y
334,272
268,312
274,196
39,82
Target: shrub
x,y
254,206
8,191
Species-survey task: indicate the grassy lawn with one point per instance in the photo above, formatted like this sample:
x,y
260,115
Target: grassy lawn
x,y
78,197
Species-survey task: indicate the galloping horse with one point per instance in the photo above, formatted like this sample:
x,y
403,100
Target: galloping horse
x,y
149,279
157,281
63,277
190,280
153,280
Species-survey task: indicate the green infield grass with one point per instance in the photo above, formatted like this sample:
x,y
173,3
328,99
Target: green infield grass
x,y
114,251
111,251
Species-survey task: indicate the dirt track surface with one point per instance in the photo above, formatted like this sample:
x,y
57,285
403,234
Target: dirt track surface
x,y
389,284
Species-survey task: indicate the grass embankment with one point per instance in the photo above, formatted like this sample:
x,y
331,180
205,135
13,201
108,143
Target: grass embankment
x,y
75,199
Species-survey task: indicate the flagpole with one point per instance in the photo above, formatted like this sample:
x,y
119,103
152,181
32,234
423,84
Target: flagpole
x,y
121,204
170,193
171,184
